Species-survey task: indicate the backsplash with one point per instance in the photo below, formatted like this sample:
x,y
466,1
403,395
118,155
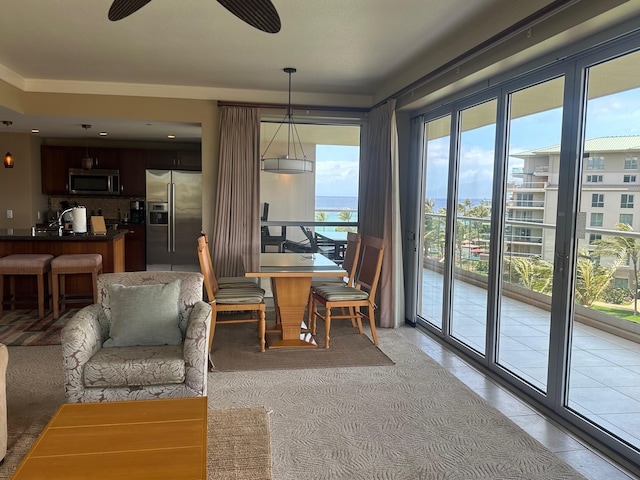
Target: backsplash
x,y
109,206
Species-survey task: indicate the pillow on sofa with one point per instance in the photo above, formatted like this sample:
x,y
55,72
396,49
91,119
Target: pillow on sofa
x,y
144,315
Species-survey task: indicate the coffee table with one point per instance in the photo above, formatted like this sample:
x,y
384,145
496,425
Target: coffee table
x,y
142,439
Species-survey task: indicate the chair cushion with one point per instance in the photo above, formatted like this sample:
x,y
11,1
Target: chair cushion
x,y
144,315
26,260
89,260
340,294
237,280
135,366
239,295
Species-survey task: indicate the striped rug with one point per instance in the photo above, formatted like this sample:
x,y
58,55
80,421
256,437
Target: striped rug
x,y
22,328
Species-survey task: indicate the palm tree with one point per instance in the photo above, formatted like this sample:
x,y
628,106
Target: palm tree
x,y
623,248
592,279
345,215
534,274
322,216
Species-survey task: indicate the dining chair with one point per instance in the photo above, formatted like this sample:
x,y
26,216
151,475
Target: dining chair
x,y
220,283
353,298
266,238
350,264
236,299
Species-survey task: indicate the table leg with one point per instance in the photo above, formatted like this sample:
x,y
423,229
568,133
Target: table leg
x,y
292,295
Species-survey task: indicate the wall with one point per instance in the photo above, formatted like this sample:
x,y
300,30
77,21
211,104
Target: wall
x,y
20,189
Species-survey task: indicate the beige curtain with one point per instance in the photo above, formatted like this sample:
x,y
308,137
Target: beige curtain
x,y
379,207
236,226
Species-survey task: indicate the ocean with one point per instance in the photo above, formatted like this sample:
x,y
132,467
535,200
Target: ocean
x,y
332,208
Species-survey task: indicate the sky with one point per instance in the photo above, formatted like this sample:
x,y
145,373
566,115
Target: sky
x,y
612,115
337,169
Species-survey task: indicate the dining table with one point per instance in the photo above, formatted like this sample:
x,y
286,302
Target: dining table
x,y
291,275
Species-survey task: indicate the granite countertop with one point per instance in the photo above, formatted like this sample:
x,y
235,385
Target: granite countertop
x,y
24,234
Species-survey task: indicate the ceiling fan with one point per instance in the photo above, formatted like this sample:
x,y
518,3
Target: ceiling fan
x,y
260,14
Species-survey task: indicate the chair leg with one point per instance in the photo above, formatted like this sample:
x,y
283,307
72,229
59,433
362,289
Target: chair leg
x,y
372,322
40,295
327,325
55,298
262,328
12,291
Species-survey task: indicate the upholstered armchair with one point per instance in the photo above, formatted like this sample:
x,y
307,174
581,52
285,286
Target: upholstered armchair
x,y
109,354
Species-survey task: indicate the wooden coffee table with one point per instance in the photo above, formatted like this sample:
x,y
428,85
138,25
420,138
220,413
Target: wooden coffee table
x,y
159,439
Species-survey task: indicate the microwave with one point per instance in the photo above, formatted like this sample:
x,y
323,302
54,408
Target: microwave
x,y
94,182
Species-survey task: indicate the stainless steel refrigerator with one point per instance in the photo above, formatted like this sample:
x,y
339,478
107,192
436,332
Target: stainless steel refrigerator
x,y
174,219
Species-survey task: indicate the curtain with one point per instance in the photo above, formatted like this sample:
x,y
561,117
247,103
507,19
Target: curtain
x,y
236,226
379,207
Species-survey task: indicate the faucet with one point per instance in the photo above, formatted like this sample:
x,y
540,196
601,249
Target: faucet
x,y
58,222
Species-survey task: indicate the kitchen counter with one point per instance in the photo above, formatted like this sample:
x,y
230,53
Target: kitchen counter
x,y
110,246
24,234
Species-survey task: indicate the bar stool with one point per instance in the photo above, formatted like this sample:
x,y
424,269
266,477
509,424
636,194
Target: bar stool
x,y
37,264
70,265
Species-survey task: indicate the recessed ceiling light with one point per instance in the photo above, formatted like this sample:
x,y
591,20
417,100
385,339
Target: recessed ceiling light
x,y
103,134
35,130
171,136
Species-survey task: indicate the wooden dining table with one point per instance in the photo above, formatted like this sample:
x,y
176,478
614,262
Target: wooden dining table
x,y
291,275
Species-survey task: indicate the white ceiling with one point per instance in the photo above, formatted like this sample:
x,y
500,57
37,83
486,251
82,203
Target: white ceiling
x,y
347,52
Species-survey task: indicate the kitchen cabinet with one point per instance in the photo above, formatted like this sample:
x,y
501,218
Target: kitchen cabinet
x,y
135,258
132,172
174,160
54,169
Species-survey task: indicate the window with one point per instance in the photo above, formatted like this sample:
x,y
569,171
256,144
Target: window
x,y
626,218
621,283
594,178
596,219
630,163
594,237
597,200
629,179
626,201
595,163
524,200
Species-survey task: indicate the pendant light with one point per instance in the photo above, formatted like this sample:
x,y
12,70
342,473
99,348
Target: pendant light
x,y
295,161
87,161
8,158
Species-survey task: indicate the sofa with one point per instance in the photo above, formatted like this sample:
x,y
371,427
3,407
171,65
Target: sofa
x,y
96,369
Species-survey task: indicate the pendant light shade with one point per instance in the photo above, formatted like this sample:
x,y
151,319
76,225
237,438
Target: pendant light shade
x,y
8,158
295,161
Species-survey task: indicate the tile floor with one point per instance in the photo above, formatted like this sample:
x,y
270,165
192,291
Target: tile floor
x,y
590,463
604,374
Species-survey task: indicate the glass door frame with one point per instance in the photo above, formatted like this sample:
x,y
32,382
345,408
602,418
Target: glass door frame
x,y
575,72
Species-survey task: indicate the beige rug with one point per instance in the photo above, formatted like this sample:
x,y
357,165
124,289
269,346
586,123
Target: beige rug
x,y
235,348
238,445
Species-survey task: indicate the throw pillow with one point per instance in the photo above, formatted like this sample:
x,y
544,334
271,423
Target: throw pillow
x,y
144,315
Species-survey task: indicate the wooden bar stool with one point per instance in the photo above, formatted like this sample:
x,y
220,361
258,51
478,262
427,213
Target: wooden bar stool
x,y
38,264
70,265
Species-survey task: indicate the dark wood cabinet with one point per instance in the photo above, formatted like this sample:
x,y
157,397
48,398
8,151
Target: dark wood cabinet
x,y
131,162
54,170
135,258
132,172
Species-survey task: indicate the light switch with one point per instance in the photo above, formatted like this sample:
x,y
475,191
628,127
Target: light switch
x,y
9,213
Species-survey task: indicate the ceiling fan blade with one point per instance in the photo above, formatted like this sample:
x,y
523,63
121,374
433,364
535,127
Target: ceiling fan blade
x,y
123,8
260,14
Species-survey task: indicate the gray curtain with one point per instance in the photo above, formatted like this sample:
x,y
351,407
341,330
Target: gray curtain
x,y
236,227
379,207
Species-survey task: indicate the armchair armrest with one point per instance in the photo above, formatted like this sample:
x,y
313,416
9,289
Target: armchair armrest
x,y
81,338
196,348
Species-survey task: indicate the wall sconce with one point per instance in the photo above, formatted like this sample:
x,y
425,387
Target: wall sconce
x,y
8,158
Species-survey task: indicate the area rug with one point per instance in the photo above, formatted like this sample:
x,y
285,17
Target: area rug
x,y
410,420
235,348
23,328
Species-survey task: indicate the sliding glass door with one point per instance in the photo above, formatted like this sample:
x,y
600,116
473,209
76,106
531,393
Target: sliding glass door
x,y
530,253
